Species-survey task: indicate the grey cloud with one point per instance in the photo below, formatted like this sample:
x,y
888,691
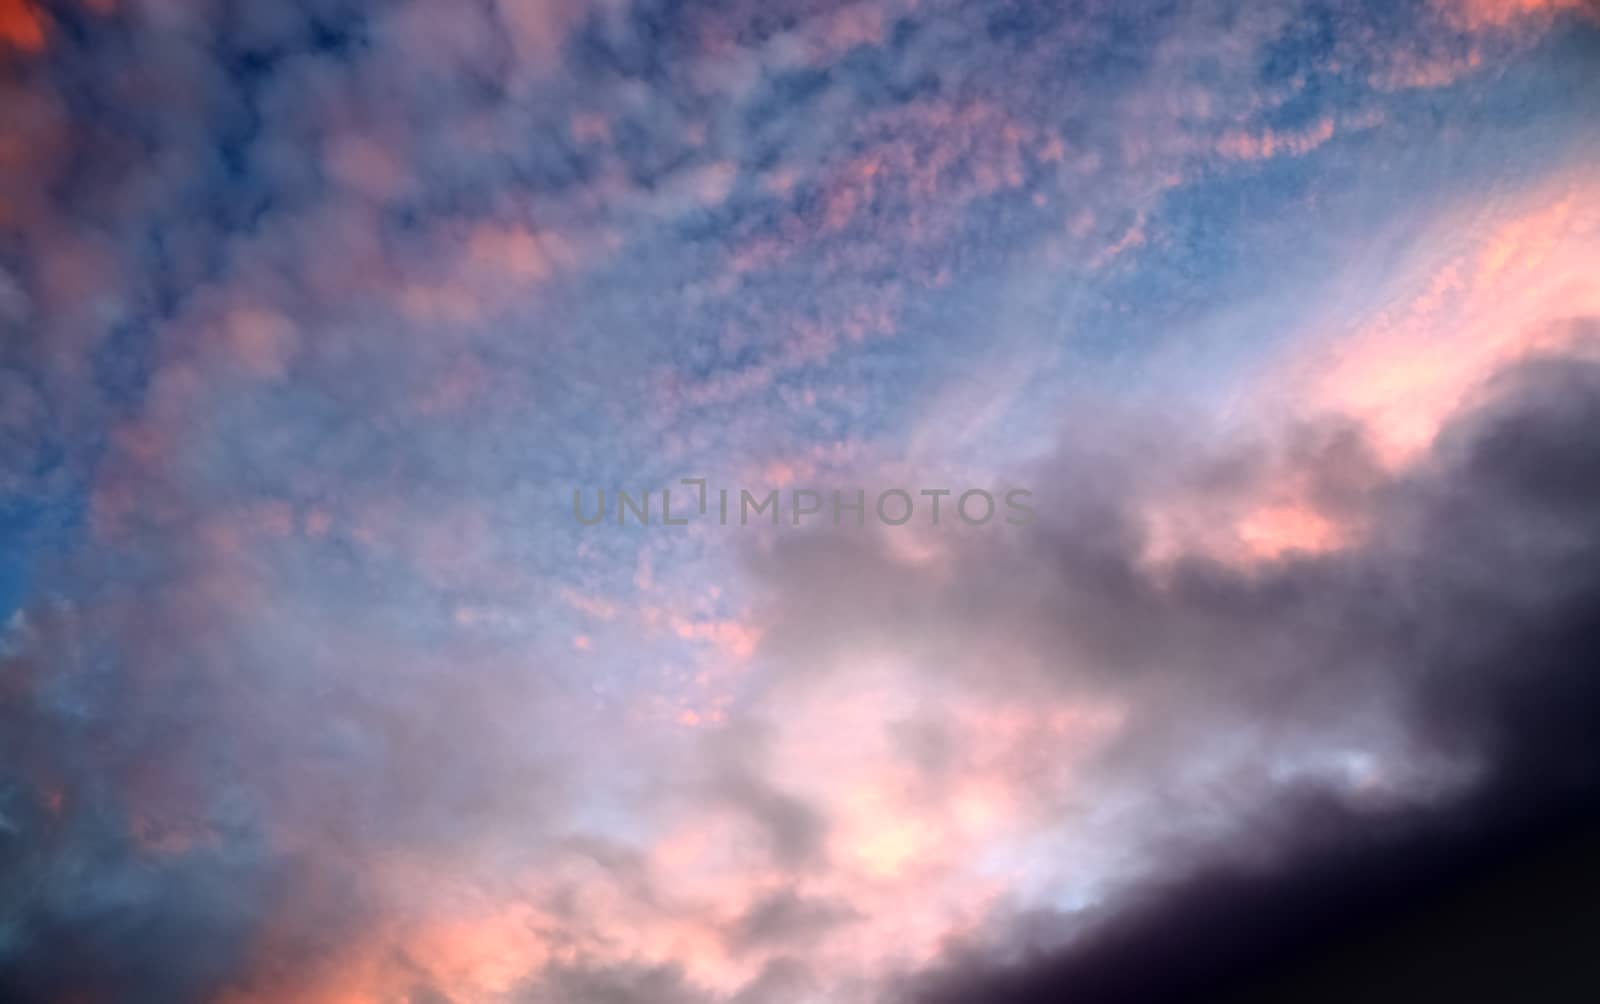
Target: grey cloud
x,y
783,979
613,984
788,919
794,829
732,772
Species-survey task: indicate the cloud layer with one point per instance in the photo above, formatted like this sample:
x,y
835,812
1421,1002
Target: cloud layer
x,y
313,316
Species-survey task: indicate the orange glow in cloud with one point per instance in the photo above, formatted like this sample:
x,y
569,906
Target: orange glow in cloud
x,y
21,25
1272,531
472,941
1265,521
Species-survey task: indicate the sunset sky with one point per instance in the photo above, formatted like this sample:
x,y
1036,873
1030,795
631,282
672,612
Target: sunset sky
x,y
314,315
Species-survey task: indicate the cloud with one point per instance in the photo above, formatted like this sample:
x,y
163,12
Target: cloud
x,y
1309,745
622,984
789,919
1518,282
317,695
1480,14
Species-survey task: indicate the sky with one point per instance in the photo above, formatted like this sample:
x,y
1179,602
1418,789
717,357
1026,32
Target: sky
x,y
324,323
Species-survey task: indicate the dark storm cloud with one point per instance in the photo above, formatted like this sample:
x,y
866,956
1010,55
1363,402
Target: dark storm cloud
x,y
177,929
1470,617
63,818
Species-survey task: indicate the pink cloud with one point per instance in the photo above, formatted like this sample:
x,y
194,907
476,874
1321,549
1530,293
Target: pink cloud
x,y
1461,311
369,167
1269,143
1477,14
1409,368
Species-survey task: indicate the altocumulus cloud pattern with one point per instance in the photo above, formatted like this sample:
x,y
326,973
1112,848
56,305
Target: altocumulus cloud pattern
x,y
315,315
